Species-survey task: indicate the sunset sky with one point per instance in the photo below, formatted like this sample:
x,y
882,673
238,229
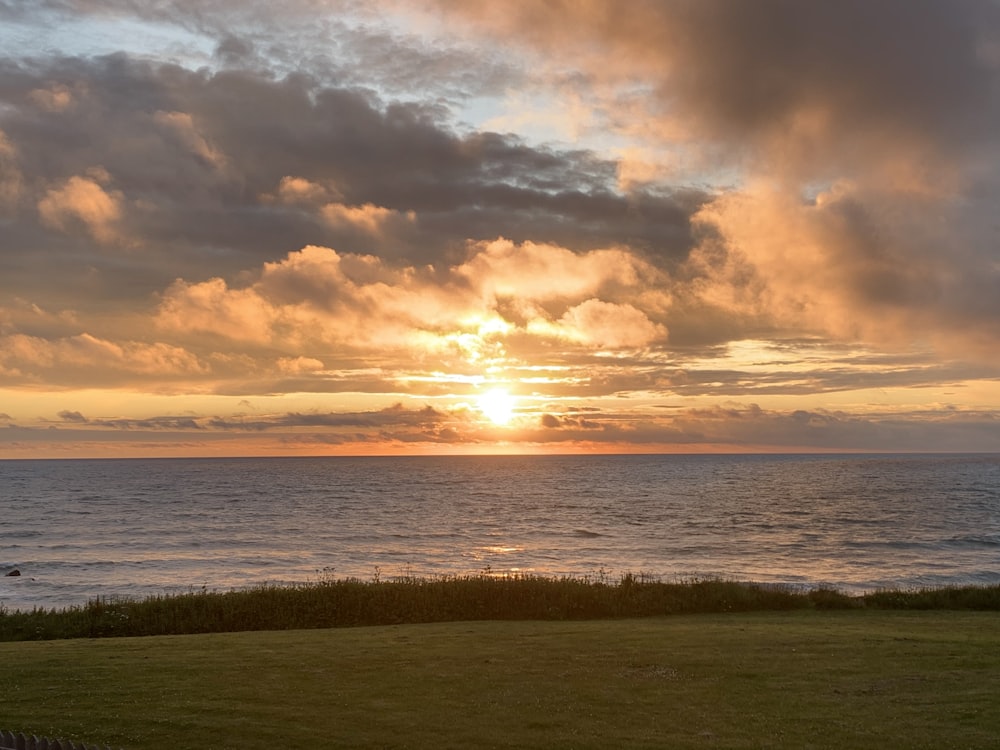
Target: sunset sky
x,y
242,227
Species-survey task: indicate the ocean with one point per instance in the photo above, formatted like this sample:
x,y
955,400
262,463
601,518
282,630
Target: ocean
x,y
79,529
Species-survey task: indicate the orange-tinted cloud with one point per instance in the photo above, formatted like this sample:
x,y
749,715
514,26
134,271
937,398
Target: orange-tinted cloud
x,y
854,263
181,126
87,359
715,223
83,201
319,296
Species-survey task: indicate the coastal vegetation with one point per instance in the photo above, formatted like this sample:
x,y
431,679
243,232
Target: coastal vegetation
x,y
854,678
330,603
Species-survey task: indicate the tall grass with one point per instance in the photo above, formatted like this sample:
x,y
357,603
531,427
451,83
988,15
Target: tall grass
x,y
353,602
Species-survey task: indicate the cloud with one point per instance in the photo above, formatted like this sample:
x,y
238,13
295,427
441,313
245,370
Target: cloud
x,y
734,426
239,167
538,272
87,359
395,415
368,218
595,323
850,149
211,306
840,99
814,84
181,126
610,325
553,422
855,263
298,190
82,200
299,365
738,426
706,205
11,179
316,298
153,424
55,98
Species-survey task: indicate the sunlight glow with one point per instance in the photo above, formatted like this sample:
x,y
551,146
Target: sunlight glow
x,y
497,405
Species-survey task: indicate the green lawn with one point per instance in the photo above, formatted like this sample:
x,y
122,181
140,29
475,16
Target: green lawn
x,y
802,679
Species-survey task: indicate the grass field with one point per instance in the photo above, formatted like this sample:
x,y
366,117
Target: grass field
x,y
855,678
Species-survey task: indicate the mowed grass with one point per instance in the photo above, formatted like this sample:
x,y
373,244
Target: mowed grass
x,y
798,679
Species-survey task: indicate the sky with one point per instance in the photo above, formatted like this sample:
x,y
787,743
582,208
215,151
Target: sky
x,y
319,227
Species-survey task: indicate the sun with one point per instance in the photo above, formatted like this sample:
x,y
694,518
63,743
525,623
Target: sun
x,y
497,405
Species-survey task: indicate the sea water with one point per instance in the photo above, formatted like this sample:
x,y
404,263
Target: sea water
x,y
81,529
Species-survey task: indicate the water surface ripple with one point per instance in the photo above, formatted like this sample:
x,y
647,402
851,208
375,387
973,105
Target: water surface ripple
x,y
80,529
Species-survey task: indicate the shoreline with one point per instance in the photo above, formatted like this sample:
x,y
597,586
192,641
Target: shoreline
x,y
130,592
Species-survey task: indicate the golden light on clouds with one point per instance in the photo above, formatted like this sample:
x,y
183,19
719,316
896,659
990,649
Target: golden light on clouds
x,y
687,235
